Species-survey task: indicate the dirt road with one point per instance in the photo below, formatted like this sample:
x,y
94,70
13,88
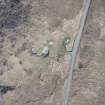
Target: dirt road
x,y
89,78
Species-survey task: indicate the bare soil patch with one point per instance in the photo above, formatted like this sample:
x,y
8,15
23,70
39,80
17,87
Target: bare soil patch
x,y
27,27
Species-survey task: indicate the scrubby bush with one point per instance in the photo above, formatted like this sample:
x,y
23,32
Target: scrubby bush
x,y
12,13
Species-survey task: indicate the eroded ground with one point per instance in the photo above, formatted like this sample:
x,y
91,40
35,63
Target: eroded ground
x,y
31,24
